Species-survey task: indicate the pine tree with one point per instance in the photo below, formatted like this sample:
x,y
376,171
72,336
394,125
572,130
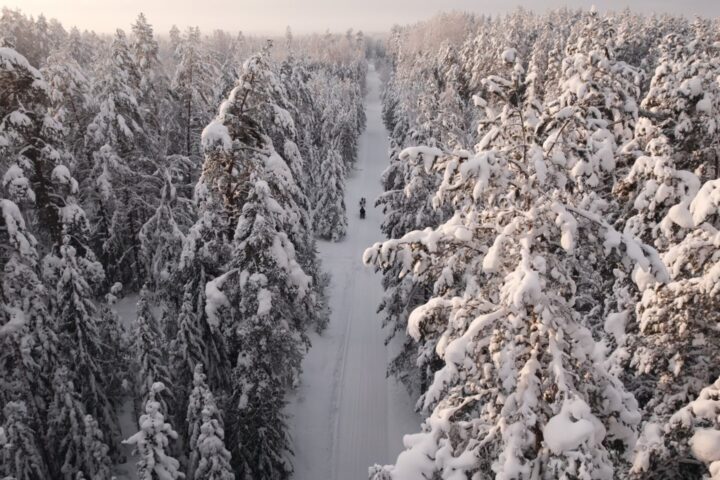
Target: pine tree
x,y
254,298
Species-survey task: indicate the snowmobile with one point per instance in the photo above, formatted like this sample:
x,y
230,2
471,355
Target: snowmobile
x,y
362,208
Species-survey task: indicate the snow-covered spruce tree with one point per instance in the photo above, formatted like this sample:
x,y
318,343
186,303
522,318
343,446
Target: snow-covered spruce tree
x,y
585,132
119,212
28,347
214,463
119,119
116,357
226,60
653,201
94,449
150,355
275,113
200,397
70,100
263,285
153,85
78,446
655,193
407,205
27,333
191,83
152,442
76,233
295,77
330,218
208,458
597,102
254,298
687,446
301,151
79,48
197,341
80,344
684,98
161,242
21,455
676,341
199,338
29,138
117,167
523,391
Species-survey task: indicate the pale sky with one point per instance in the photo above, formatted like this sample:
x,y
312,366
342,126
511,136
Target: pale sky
x,y
272,16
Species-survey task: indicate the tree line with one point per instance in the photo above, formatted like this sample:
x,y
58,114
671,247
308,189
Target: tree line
x,y
196,171
551,262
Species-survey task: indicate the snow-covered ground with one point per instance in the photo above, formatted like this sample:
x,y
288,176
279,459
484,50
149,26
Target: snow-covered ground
x,y
126,308
346,415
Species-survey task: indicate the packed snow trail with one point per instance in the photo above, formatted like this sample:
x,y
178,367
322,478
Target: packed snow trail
x,y
346,415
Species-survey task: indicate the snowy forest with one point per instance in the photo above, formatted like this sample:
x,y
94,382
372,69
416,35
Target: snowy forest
x,y
179,249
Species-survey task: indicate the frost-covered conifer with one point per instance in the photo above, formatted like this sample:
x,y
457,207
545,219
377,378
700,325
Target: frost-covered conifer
x,y
21,454
119,210
70,99
254,298
29,140
78,446
161,238
152,442
197,342
119,120
503,320
687,446
150,355
684,97
208,457
191,83
80,345
145,50
27,333
119,144
214,458
330,218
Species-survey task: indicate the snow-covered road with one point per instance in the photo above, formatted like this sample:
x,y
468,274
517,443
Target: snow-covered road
x,y
346,415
